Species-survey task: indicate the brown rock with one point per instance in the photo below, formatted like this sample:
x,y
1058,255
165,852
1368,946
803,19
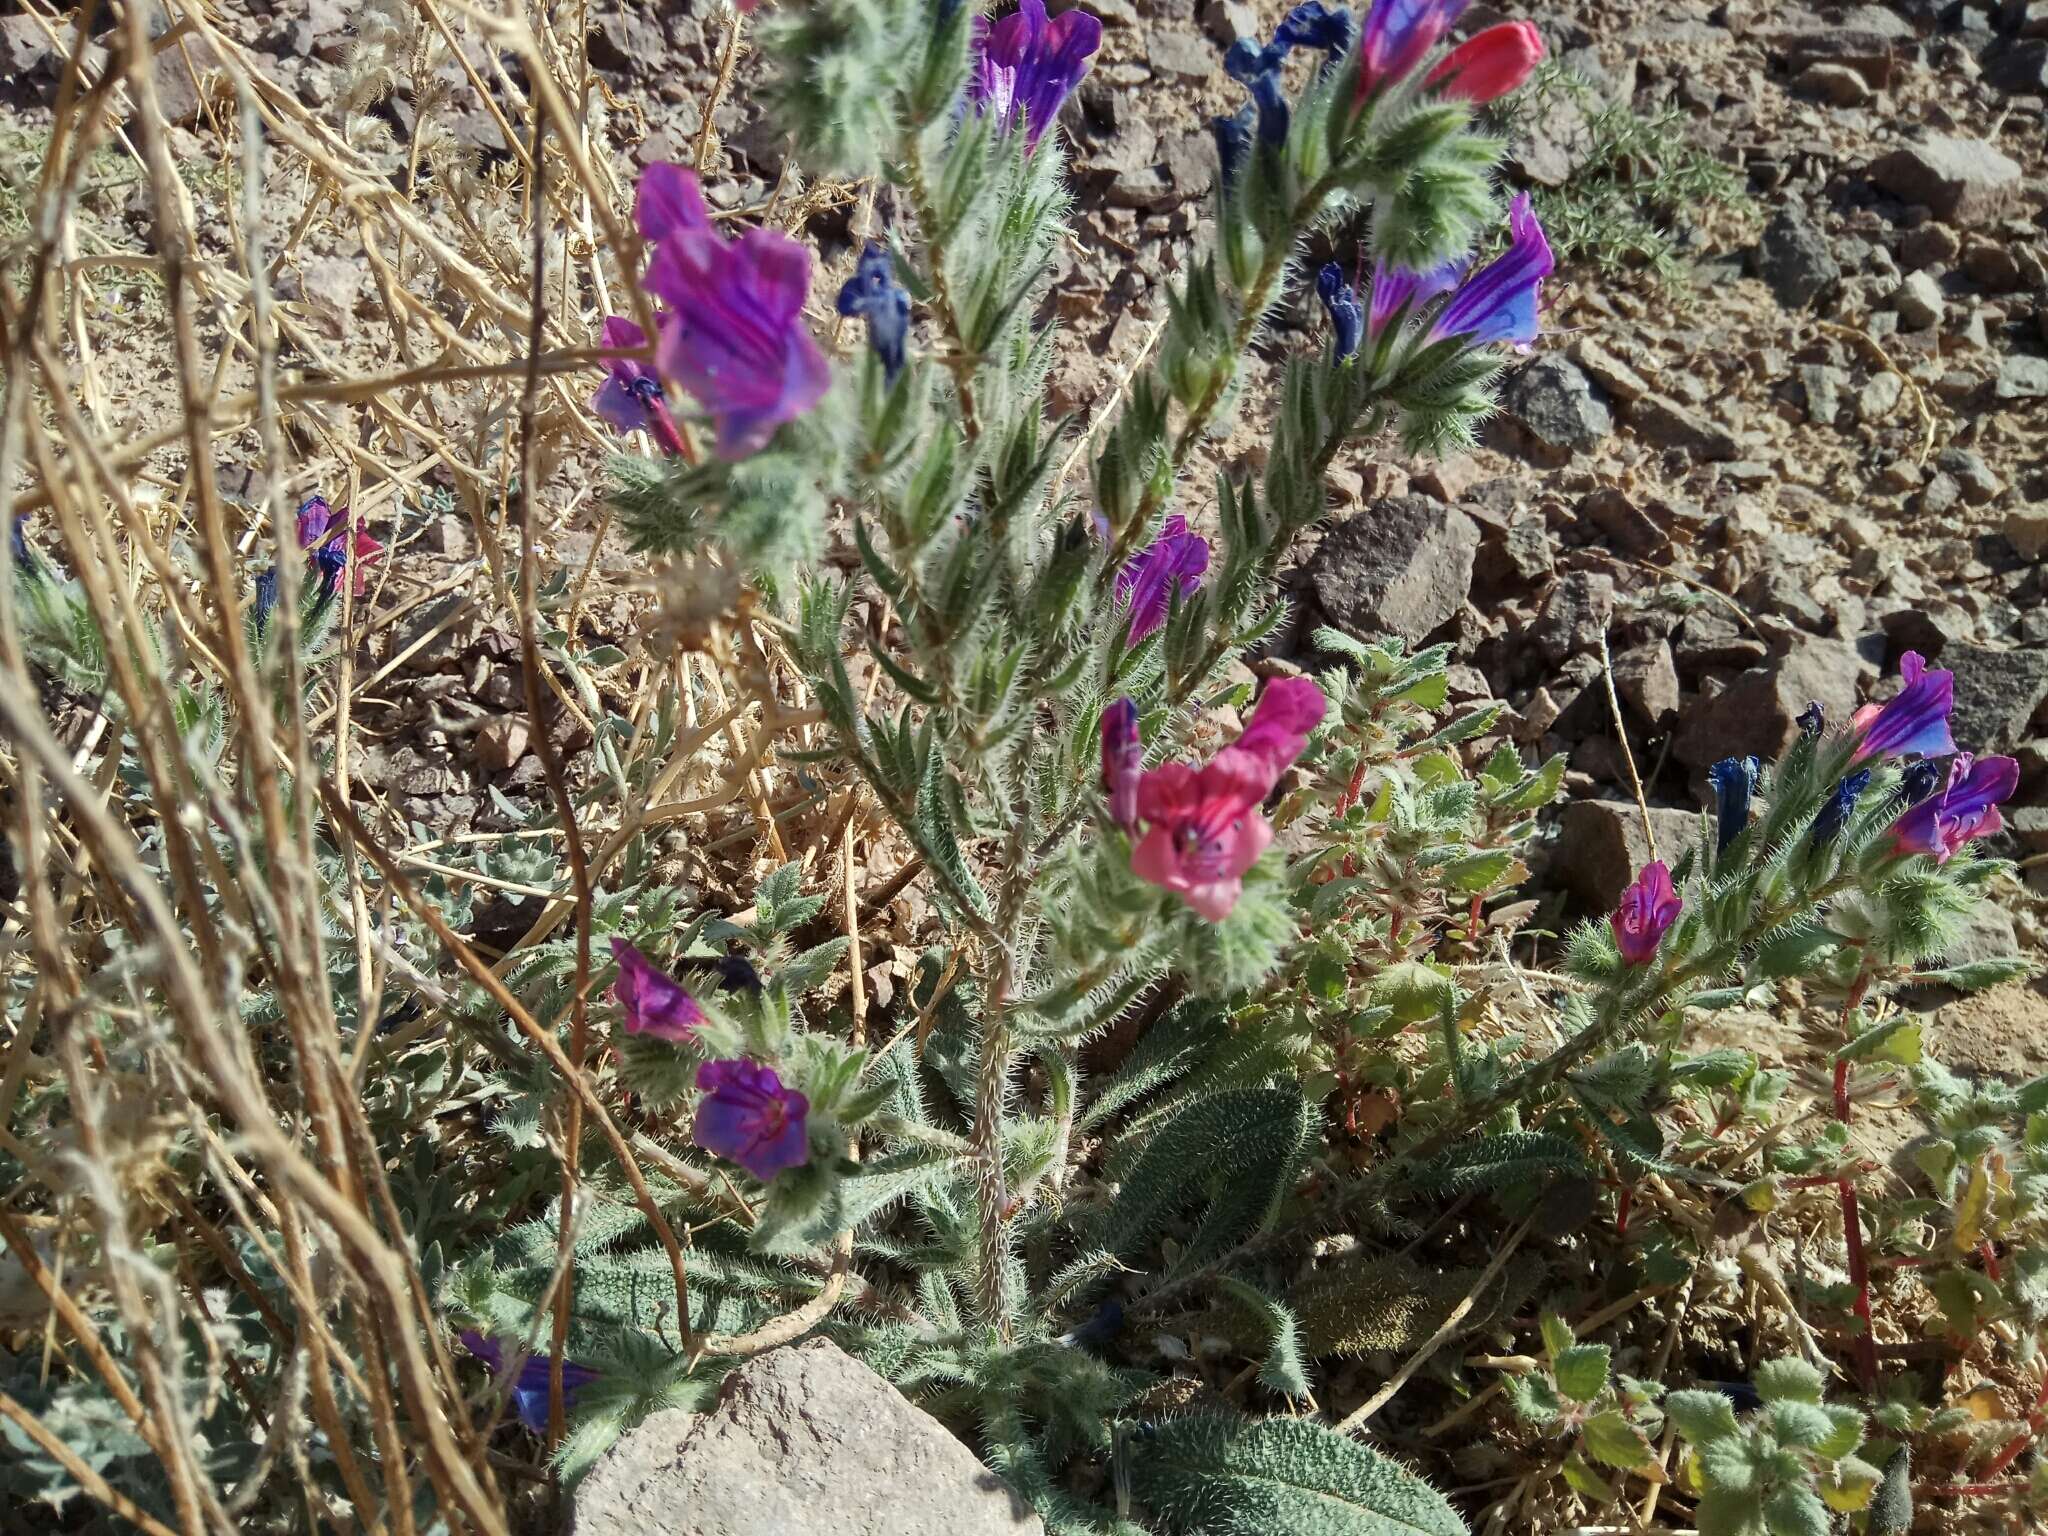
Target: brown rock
x,y
1668,424
1647,679
1402,566
503,741
1759,711
1958,178
1601,846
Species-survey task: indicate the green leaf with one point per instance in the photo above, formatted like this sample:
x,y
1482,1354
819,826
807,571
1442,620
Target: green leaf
x,y
1701,1416
1283,1369
1557,1335
1480,871
1896,1039
1795,1511
1613,1441
1789,1380
1224,1476
1979,974
1844,1435
1582,1371
1805,1425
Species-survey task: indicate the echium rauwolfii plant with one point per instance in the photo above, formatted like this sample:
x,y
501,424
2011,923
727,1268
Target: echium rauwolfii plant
x,y
1288,906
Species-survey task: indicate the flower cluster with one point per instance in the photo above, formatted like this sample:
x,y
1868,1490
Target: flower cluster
x,y
1400,34
631,397
529,1378
1202,827
1501,303
335,543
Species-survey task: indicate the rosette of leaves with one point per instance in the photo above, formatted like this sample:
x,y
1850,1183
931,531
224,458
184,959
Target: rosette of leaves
x,y
1607,1418
1779,1470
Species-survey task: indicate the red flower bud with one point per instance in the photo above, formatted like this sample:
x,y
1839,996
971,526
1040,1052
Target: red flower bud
x,y
1491,64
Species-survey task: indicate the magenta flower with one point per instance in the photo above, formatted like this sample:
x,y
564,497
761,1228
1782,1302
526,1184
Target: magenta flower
x,y
530,1387
1123,761
1500,301
1966,808
631,397
1289,709
1204,829
1398,36
653,1001
1025,64
747,1117
1647,909
733,334
336,542
1916,719
1174,562
1397,292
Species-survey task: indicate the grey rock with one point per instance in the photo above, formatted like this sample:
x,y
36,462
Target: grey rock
x,y
1601,845
1631,529
1919,302
1174,52
2021,68
1759,711
1670,425
1837,84
1979,485
1575,615
1555,405
1987,935
24,50
803,1440
1879,397
2026,530
1781,590
2021,377
1958,178
1709,637
1997,693
1618,378
1823,388
1792,255
1404,565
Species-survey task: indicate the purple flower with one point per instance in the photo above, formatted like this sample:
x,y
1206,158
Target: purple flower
x,y
1173,563
266,598
1340,302
1647,909
1025,64
1916,720
1233,141
1813,720
1920,780
733,333
1398,35
316,521
1734,780
747,1117
530,1388
330,560
1834,811
653,1001
1398,292
631,397
1123,760
1966,808
1499,302
873,293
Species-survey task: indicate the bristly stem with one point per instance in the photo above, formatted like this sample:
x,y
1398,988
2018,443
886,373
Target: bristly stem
x,y
1852,1222
960,359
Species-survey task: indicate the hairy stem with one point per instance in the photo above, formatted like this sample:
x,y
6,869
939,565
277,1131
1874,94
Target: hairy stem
x,y
960,360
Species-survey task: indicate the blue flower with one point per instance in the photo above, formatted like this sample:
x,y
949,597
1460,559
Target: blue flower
x,y
25,565
1499,302
266,598
1734,780
1921,780
1233,141
1312,25
1027,64
1340,302
1835,811
1813,720
330,560
874,294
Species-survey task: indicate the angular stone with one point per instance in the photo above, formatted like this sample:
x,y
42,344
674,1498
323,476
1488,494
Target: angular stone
x,y
1601,845
1997,693
803,1440
1631,529
1647,679
1837,84
1555,405
1402,566
1919,302
1792,255
1670,425
1979,484
1574,617
1869,53
1759,711
1958,178
2023,377
2026,530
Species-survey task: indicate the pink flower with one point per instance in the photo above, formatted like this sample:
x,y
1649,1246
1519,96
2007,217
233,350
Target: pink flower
x,y
653,1001
1203,825
747,1117
1647,909
335,542
1966,808
1488,66
733,334
1174,563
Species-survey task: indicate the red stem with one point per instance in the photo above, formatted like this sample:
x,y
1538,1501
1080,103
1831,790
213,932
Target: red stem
x,y
665,432
2024,1438
1852,1222
1621,1208
1990,1260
